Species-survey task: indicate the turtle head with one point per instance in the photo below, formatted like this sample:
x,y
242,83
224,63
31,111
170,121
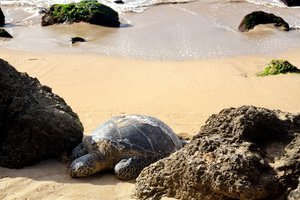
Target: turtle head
x,y
86,165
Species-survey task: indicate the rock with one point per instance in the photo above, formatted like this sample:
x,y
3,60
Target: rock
x,y
119,2
4,33
85,11
77,39
276,67
35,124
259,17
240,153
291,2
2,18
295,194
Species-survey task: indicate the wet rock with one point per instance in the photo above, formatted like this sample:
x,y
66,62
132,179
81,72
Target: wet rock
x,y
4,33
276,67
35,124
76,39
85,11
259,17
295,194
119,2
240,153
2,18
291,2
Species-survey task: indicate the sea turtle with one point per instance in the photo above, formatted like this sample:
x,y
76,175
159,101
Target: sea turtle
x,y
126,144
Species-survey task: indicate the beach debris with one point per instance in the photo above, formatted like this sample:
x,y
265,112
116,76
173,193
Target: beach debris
x,y
85,11
2,18
259,17
240,153
76,39
126,144
291,2
35,124
4,34
279,66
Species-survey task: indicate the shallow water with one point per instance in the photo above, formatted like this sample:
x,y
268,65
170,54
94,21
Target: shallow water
x,y
199,29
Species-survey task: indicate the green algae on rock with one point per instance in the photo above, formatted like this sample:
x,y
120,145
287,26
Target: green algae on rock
x,y
279,67
85,11
259,17
4,33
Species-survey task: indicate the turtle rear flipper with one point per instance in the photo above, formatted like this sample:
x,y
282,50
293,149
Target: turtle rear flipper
x,y
130,168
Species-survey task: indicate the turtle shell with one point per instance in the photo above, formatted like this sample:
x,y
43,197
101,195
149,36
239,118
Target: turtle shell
x,y
146,134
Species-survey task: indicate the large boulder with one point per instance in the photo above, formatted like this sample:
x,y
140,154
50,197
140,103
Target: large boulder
x,y
85,11
2,18
295,194
259,17
240,153
35,124
291,2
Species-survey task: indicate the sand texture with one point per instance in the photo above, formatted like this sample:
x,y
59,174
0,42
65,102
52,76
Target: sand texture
x,y
182,94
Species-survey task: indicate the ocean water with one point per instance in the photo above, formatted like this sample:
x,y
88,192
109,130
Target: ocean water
x,y
156,29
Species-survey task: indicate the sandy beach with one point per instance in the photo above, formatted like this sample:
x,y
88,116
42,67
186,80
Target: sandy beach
x,y
183,94
180,71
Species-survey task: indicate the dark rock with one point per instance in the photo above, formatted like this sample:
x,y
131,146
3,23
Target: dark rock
x,y
42,10
85,11
259,17
2,18
119,2
35,124
291,2
295,194
77,39
276,67
242,153
4,33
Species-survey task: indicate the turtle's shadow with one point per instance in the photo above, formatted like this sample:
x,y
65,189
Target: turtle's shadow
x,y
53,170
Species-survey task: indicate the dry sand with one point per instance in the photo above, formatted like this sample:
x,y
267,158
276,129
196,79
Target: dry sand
x,y
183,94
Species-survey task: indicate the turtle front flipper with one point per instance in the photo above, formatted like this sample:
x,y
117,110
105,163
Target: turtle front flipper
x,y
130,168
78,151
85,165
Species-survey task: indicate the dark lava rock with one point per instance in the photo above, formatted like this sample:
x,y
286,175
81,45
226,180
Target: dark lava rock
x,y
119,2
4,33
85,11
240,153
259,17
2,18
276,67
35,124
77,39
291,2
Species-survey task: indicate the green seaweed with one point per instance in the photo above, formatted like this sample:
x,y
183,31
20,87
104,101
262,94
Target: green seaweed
x,y
279,67
86,11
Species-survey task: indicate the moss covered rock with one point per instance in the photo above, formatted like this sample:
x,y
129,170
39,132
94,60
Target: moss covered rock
x,y
85,11
2,18
4,33
259,17
279,67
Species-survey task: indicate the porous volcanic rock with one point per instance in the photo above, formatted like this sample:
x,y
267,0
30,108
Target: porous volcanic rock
x,y
4,33
259,17
35,124
295,194
85,11
291,2
240,153
2,18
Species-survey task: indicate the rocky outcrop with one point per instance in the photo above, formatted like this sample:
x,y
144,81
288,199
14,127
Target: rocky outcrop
x,y
240,153
291,2
85,11
295,194
259,17
4,33
35,124
2,18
